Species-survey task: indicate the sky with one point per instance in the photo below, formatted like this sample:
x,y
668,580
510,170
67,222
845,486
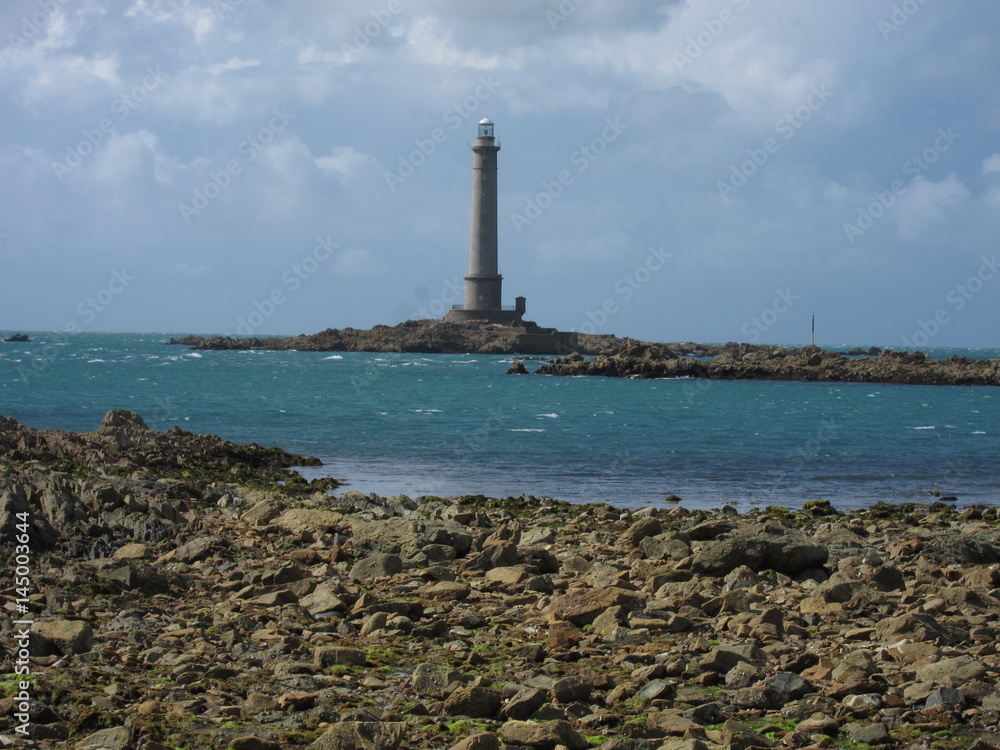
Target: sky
x,y
712,171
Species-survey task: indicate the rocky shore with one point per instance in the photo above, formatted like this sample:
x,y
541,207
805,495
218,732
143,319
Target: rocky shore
x,y
423,336
637,359
190,593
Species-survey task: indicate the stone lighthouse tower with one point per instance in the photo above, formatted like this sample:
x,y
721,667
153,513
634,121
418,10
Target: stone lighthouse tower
x,y
483,282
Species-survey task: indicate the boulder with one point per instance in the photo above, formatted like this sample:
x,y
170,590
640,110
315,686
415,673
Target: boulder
x,y
583,605
376,566
786,553
362,735
474,702
116,738
542,735
63,637
309,520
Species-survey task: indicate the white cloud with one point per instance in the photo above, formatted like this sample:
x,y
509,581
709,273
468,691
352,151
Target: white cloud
x,y
992,164
344,163
927,206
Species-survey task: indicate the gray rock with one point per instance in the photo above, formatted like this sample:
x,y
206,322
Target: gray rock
x,y
432,679
870,734
664,547
952,672
474,702
63,637
790,686
116,738
361,735
524,703
946,696
376,566
655,689
787,553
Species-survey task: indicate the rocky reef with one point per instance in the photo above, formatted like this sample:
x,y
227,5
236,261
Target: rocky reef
x,y
636,359
207,599
423,336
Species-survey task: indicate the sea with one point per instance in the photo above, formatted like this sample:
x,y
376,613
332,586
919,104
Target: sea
x,y
457,424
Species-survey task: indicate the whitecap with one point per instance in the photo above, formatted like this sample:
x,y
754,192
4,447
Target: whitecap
x,y
91,361
527,429
334,356
921,428
428,411
550,416
194,355
978,432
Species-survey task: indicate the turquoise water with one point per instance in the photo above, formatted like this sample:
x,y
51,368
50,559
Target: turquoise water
x,y
457,424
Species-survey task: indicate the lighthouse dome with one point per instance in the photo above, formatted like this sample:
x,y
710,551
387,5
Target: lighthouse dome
x,y
486,128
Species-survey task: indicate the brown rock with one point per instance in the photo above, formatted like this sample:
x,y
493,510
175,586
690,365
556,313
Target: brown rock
x,y
542,735
583,605
298,700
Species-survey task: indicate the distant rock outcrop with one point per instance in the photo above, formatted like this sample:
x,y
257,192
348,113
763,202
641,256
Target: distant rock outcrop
x,y
636,359
19,338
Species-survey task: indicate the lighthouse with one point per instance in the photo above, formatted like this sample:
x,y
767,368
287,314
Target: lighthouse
x,y
483,282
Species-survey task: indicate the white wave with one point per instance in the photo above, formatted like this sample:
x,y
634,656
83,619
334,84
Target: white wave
x,y
921,428
550,416
527,429
333,356
193,355
979,432
428,411
91,361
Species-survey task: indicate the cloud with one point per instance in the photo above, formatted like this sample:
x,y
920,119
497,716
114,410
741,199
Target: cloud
x,y
344,163
992,164
927,206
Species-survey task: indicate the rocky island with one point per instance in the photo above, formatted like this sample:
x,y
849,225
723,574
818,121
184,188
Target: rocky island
x,y
425,337
636,359
186,592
